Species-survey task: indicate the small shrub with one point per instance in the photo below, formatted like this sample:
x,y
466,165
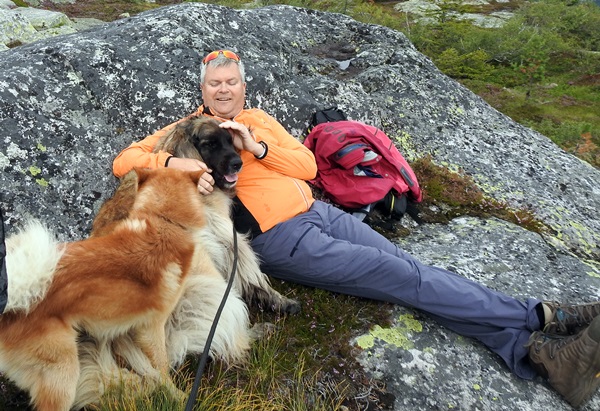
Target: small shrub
x,y
471,65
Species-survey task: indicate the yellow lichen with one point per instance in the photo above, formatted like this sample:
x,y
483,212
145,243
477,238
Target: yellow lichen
x,y
396,336
35,170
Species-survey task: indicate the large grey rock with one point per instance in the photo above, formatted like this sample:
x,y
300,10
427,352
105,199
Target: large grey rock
x,y
428,11
7,4
43,19
14,29
69,104
21,25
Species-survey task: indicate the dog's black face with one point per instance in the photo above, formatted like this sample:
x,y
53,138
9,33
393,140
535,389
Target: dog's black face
x,y
216,148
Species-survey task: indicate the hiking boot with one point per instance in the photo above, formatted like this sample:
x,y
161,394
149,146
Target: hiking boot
x,y
570,364
570,319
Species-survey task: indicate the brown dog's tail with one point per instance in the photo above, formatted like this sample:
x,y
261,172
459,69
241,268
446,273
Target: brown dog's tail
x,y
31,258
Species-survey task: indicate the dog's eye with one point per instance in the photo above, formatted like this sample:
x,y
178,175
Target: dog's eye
x,y
209,144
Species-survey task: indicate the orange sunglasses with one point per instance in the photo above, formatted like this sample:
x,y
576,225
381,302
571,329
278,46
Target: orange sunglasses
x,y
214,54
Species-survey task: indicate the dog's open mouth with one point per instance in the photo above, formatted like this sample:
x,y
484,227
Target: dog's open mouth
x,y
230,180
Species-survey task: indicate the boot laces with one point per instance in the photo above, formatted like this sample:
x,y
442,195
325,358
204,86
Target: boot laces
x,y
565,317
554,343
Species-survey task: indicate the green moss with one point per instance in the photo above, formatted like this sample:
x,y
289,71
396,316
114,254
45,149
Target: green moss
x,y
457,194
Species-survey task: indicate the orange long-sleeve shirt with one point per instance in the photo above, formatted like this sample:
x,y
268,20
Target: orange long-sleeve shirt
x,y
272,189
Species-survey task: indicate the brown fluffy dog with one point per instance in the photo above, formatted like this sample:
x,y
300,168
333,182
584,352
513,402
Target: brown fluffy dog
x,y
188,327
128,280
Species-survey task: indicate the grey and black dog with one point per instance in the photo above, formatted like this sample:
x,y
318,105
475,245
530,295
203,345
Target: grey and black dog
x,y
201,138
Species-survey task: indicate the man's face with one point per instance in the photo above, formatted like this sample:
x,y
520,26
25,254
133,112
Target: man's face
x,y
223,90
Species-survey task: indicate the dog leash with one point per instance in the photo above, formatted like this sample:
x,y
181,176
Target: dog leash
x,y
204,358
3,273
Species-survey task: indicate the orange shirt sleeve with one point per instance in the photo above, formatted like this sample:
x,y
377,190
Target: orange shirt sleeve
x,y
139,153
286,155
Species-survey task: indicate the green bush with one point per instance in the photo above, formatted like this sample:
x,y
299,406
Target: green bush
x,y
471,65
567,133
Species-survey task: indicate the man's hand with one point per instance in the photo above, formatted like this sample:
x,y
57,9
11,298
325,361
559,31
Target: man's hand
x,y
206,182
242,139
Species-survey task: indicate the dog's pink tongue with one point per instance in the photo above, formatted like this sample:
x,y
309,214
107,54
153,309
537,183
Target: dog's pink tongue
x,y
231,178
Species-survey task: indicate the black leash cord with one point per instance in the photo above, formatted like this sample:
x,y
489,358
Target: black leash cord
x,y
204,358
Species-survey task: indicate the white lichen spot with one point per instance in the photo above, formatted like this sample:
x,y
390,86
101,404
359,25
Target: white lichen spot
x,y
74,78
3,161
13,151
163,92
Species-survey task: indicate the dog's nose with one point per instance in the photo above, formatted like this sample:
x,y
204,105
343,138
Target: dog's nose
x,y
235,164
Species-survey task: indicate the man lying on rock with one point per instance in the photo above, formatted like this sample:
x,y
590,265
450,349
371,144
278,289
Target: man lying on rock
x,y
313,243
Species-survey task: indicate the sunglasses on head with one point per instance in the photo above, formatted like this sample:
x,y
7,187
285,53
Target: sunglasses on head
x,y
214,54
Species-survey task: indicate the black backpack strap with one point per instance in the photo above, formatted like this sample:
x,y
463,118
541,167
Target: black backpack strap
x,y
413,212
326,115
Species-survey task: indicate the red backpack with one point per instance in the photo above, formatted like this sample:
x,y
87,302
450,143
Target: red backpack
x,y
360,167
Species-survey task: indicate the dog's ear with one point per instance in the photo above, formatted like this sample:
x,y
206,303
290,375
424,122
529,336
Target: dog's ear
x,y
195,175
180,142
142,175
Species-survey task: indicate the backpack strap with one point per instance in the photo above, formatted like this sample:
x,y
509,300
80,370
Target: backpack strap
x,y
396,206
326,115
413,212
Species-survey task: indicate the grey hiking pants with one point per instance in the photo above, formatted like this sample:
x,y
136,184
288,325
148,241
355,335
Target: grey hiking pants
x,y
328,248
